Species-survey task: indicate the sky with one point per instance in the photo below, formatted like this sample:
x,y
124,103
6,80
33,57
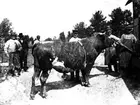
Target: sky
x,y
48,18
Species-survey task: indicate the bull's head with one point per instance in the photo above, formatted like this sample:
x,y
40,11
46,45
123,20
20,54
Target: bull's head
x,y
105,39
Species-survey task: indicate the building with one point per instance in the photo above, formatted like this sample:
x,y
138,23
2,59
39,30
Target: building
x,y
136,16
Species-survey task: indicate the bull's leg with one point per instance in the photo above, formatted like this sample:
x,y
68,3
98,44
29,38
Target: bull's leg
x,y
85,74
83,81
116,67
25,61
35,75
72,75
77,76
43,78
109,68
64,76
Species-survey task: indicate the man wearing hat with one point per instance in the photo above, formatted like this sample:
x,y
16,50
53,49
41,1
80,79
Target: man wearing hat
x,y
128,39
11,49
23,39
37,40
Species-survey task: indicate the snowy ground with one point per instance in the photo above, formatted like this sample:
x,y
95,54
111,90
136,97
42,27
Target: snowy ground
x,y
104,90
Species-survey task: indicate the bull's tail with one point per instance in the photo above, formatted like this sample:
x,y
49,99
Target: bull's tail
x,y
62,69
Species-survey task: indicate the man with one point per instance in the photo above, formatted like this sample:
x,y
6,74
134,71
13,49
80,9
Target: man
x,y
109,33
75,36
111,57
24,52
37,40
20,37
128,39
12,48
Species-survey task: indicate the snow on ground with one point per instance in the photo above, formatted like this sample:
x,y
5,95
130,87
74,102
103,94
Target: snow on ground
x,y
104,90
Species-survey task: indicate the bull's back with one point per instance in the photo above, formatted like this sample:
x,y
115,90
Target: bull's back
x,y
42,54
73,55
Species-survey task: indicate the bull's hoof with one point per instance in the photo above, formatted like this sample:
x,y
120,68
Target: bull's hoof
x,y
44,95
86,84
65,77
32,96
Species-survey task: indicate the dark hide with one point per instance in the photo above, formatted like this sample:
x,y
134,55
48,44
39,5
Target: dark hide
x,y
111,58
75,55
43,57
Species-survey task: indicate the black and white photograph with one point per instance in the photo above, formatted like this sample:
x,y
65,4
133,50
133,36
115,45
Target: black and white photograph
x,y
69,52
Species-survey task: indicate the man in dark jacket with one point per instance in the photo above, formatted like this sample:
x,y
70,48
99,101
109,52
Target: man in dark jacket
x,y
24,52
111,56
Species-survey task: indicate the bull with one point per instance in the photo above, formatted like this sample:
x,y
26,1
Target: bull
x,y
75,55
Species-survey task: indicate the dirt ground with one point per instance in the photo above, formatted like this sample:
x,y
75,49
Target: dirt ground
x,y
104,90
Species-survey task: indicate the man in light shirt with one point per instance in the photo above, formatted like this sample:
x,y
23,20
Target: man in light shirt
x,y
37,40
75,37
109,33
12,48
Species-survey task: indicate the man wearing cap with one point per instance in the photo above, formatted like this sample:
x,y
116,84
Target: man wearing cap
x,y
12,48
110,54
24,52
75,37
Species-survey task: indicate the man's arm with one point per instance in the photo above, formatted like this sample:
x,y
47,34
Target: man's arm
x,y
6,49
114,37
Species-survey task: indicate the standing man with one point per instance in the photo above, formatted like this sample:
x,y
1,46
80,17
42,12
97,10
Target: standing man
x,y
111,55
24,52
128,39
12,48
37,40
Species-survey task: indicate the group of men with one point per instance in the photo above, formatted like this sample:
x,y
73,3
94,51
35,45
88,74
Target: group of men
x,y
121,60
16,49
114,56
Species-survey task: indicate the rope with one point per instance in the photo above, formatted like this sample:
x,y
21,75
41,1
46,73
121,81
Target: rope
x,y
124,46
84,52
